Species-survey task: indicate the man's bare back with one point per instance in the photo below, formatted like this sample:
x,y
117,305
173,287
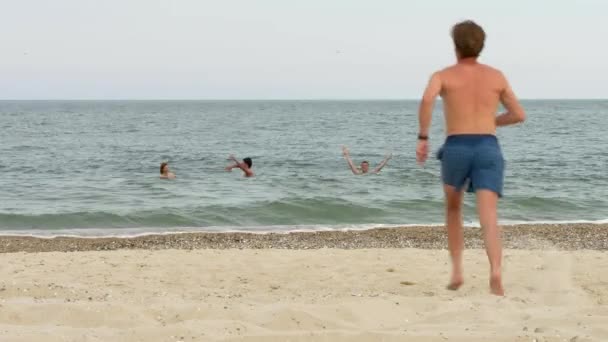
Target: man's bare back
x,y
471,94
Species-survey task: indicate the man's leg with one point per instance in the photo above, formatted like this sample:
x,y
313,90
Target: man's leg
x,y
453,217
487,206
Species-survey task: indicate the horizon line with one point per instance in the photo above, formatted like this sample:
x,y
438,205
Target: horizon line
x,y
288,99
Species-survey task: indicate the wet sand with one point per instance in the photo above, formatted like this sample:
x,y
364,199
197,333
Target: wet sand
x,y
553,236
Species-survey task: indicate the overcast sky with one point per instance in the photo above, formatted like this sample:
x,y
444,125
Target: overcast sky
x,y
286,49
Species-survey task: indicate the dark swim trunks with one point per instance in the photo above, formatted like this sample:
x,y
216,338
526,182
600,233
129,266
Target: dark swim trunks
x,y
473,159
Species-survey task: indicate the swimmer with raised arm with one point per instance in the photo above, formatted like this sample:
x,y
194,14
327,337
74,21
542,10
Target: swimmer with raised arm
x,y
471,157
244,165
364,167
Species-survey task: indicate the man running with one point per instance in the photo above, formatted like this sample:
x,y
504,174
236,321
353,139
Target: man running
x,y
471,156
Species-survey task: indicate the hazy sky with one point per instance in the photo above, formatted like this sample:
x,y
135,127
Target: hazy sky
x,y
281,49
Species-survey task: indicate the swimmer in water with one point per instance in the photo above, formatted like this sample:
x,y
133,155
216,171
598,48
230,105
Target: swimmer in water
x,y
244,165
165,173
364,169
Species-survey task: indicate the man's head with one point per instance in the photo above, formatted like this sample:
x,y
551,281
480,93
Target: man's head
x,y
248,161
469,39
164,167
364,166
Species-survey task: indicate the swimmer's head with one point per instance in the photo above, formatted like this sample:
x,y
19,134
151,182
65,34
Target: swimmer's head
x,y
469,39
248,161
164,167
364,166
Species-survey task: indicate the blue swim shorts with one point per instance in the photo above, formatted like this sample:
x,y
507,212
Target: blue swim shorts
x,y
472,160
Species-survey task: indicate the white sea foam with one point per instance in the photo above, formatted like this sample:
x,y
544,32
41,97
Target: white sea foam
x,y
280,229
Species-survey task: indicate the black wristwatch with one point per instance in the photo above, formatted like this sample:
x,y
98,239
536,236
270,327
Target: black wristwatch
x,y
423,137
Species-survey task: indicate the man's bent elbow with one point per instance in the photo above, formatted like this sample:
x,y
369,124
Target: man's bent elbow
x,y
521,116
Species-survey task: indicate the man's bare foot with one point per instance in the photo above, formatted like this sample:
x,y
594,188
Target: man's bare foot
x,y
496,285
455,283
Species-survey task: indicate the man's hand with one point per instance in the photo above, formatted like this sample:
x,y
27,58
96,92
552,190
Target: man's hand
x,y
345,151
422,151
388,156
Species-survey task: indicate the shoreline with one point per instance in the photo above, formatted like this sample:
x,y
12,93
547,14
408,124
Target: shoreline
x,y
574,236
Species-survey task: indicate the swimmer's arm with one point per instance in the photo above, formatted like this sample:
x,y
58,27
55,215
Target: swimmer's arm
x,y
383,163
230,167
233,158
246,170
352,166
242,166
515,112
425,111
233,166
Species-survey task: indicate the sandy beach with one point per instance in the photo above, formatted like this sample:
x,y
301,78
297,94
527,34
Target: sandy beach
x,y
554,293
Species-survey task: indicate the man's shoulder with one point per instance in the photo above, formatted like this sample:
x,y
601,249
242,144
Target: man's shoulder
x,y
491,69
456,71
455,67
438,75
445,73
447,69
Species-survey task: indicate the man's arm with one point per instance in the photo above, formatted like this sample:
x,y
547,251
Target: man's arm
x,y
383,163
425,111
233,166
515,112
349,161
425,115
245,168
241,166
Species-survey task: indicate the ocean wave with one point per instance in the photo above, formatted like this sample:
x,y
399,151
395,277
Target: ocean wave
x,y
287,211
285,214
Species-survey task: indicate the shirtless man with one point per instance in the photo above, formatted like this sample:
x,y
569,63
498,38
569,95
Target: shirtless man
x,y
471,155
364,164
165,173
245,165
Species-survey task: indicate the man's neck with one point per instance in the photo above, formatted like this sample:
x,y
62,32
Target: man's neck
x,y
468,60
